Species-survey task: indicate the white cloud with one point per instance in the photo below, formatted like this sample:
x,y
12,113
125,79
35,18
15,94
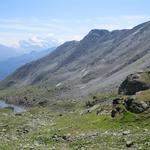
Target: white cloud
x,y
37,43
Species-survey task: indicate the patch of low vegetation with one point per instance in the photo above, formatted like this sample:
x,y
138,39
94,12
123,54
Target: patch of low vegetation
x,y
98,98
145,77
77,125
31,96
143,95
56,127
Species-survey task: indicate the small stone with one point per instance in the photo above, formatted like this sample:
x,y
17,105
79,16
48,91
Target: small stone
x,y
145,130
59,130
126,132
114,134
129,143
147,144
53,148
64,137
36,143
140,148
18,114
4,130
54,136
124,139
144,105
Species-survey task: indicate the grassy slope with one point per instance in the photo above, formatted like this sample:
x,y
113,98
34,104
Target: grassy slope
x,y
35,128
145,77
31,95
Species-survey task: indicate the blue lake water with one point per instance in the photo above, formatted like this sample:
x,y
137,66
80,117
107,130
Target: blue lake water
x,y
15,108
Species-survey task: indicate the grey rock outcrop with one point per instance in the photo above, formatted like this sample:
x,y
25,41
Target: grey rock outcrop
x,y
135,106
135,83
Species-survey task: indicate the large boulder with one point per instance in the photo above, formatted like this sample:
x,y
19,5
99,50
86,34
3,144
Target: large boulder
x,y
134,83
138,100
128,103
135,106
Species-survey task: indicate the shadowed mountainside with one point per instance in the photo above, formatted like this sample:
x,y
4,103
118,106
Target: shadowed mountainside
x,y
9,65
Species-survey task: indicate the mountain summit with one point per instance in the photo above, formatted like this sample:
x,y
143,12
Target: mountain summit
x,y
96,63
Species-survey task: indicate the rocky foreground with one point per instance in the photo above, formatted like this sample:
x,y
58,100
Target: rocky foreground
x,y
107,121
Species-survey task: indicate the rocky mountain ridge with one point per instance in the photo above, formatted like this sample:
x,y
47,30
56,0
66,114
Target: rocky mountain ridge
x,y
96,63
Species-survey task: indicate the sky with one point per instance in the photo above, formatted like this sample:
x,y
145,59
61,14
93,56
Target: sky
x,y
56,21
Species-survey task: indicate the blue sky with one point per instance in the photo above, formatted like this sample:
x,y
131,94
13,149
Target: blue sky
x,y
62,20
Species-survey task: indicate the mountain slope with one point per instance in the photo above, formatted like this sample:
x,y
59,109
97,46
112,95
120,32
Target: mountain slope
x,y
9,65
96,63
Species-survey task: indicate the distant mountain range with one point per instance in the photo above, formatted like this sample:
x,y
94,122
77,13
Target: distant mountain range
x,y
7,52
96,63
25,46
9,65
